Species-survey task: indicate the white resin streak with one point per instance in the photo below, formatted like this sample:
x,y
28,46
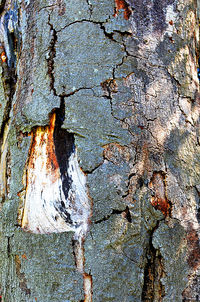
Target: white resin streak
x,y
44,193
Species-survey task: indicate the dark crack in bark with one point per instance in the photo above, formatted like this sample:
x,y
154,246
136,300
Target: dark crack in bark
x,y
9,79
125,213
64,147
52,55
153,289
2,5
74,91
90,7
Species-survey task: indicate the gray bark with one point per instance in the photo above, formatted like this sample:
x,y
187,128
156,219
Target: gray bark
x,y
122,78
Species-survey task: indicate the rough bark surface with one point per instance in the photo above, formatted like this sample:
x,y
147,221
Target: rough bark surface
x,y
124,76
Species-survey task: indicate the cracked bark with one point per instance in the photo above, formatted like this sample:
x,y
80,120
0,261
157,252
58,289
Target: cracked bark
x,y
120,79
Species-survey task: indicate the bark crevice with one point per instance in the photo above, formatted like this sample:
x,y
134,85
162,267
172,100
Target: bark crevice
x,y
52,55
90,7
153,289
125,213
9,79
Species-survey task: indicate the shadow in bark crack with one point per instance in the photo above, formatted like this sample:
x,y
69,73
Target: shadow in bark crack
x,y
64,147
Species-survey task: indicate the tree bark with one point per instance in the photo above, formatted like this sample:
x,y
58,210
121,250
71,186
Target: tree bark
x,y
100,141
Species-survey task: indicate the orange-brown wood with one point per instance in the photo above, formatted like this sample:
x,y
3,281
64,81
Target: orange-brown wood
x,y
121,4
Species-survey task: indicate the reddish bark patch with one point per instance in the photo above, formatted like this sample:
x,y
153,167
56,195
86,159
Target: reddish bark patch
x,y
116,153
21,276
62,7
158,185
24,256
197,98
141,127
3,57
121,4
194,248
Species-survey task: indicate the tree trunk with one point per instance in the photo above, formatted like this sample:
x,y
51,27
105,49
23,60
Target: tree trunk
x,y
100,141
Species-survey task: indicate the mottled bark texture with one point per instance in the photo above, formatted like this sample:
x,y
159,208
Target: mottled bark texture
x,y
122,77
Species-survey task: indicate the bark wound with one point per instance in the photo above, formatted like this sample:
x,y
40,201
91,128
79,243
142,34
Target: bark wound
x,y
56,197
87,282
78,248
121,4
159,199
